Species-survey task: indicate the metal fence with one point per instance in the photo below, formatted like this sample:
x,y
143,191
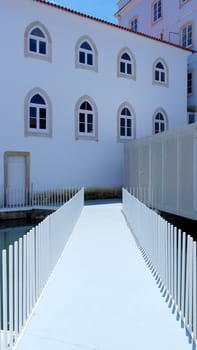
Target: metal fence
x,y
170,254
27,266
13,198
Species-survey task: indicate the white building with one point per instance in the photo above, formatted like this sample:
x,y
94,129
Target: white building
x,y
174,21
73,89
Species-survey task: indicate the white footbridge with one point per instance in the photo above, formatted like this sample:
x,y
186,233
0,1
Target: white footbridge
x,y
111,276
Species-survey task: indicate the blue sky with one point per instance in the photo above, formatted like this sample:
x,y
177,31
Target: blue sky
x,y
103,9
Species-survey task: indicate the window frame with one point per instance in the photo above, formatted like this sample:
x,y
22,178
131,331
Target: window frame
x,y
156,3
191,84
94,66
125,138
135,21
185,27
48,41
194,114
165,121
133,64
159,82
28,131
94,112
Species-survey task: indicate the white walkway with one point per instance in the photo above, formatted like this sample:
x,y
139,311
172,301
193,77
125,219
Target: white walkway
x,y
102,296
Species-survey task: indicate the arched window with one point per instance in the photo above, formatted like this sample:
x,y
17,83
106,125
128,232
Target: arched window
x,y
160,72
37,42
86,54
37,113
160,122
86,119
126,123
126,64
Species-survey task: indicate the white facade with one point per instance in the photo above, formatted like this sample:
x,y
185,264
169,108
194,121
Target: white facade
x,y
44,139
172,20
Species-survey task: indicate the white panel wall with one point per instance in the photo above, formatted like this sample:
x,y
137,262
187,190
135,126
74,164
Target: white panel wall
x,y
171,165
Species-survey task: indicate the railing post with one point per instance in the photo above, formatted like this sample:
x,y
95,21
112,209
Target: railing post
x,y
4,299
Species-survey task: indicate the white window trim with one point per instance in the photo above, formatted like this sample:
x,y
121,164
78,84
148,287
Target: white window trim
x,y
36,131
166,70
152,12
48,40
78,64
122,139
181,31
85,135
163,112
133,64
135,18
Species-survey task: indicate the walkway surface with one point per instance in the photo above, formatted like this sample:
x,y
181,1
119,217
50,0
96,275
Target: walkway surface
x,y
102,296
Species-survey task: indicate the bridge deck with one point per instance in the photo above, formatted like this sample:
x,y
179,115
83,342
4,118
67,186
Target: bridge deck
x,y
102,296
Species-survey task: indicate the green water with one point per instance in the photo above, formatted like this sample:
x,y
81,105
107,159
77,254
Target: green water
x,y
9,235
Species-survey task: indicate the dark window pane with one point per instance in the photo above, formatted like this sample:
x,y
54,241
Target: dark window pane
x,y
162,76
156,75
156,128
38,100
82,118
37,32
162,127
191,118
32,45
33,123
129,68
81,127
128,122
86,46
122,131
90,59
122,67
42,47
125,56
43,113
90,128
81,57
159,65
42,123
86,106
122,122
129,132
90,119
33,112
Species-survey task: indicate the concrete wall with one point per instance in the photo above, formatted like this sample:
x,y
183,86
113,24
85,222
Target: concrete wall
x,y
62,160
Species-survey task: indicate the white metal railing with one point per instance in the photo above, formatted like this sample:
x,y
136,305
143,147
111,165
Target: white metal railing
x,y
13,197
171,255
27,266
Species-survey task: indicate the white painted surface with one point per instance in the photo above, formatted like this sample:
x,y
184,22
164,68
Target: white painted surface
x,y
62,160
102,296
16,180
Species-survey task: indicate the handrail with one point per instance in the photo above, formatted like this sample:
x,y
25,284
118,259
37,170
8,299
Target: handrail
x,y
170,254
27,266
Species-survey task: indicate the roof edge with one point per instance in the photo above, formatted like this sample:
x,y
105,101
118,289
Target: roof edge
x,y
74,12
